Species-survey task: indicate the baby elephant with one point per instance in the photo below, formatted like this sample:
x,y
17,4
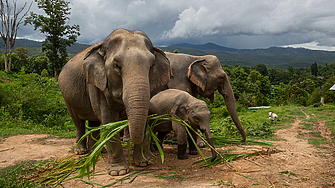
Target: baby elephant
x,y
188,108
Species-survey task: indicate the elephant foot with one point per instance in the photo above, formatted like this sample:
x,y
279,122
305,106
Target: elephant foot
x,y
118,169
193,152
201,143
104,150
153,147
142,162
126,138
80,151
184,156
182,151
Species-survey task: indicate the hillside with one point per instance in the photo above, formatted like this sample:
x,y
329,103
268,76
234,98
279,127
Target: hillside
x,y
34,47
273,57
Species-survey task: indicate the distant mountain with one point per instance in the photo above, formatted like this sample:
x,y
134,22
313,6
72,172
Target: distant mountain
x,y
34,47
207,46
273,57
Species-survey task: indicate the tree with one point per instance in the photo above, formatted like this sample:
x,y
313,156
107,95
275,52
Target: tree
x,y
58,34
261,68
314,69
22,54
11,19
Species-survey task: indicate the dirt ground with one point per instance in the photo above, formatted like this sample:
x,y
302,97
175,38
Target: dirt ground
x,y
292,162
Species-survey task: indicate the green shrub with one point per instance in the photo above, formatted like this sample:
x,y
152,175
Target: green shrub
x,y
30,100
260,130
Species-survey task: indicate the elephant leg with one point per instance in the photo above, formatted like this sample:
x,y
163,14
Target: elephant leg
x,y
142,153
192,149
181,140
126,134
182,151
92,139
81,148
116,161
160,136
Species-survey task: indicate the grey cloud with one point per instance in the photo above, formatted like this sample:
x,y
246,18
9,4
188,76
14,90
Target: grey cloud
x,y
257,19
231,23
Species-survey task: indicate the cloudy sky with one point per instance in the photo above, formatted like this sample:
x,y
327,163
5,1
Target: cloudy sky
x,y
242,24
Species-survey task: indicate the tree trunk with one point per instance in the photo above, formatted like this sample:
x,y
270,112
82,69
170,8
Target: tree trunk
x,y
10,56
55,72
6,67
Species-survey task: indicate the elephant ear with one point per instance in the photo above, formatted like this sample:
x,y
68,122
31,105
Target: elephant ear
x,y
160,72
197,73
181,111
94,68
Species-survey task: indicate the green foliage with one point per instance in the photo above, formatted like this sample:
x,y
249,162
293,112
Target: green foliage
x,y
58,34
250,89
260,130
314,69
328,95
29,100
297,95
12,176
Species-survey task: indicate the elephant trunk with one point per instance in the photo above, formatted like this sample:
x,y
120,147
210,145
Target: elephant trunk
x,y
136,96
228,95
210,141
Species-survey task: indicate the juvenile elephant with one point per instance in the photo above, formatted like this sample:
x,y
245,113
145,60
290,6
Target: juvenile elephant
x,y
202,75
188,108
110,79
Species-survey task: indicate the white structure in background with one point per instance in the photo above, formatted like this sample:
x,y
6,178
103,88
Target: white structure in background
x,y
272,115
332,88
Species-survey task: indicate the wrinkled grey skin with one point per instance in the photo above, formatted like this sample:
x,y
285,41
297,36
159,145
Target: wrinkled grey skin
x,y
202,75
110,81
188,108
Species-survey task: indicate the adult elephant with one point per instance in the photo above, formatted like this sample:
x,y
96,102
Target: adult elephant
x,y
202,75
110,79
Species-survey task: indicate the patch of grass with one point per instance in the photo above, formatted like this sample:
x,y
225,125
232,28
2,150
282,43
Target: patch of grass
x,y
281,126
317,135
307,126
12,176
24,127
288,173
316,142
275,138
325,113
223,182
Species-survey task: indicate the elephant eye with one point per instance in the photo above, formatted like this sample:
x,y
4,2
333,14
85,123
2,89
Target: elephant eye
x,y
222,78
116,67
196,119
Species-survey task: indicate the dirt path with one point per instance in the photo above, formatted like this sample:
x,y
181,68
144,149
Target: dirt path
x,y
292,162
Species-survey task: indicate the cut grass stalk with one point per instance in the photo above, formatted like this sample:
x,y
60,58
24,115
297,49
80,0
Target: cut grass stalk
x,y
59,171
252,179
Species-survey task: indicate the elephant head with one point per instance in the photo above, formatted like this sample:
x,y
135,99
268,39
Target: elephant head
x,y
198,116
126,68
206,73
